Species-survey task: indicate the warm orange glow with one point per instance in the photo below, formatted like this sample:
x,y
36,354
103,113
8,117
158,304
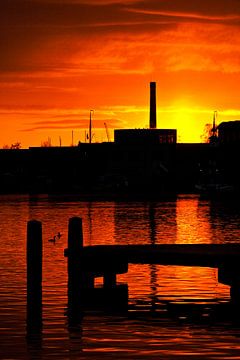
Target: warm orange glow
x,y
196,229
54,69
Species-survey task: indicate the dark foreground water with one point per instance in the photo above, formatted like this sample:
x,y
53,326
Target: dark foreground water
x,y
174,312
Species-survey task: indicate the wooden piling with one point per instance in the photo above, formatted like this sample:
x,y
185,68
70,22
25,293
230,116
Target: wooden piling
x,y
75,273
235,293
109,280
75,246
75,234
229,274
84,265
34,276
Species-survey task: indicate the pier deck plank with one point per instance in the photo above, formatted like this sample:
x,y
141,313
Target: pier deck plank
x,y
206,255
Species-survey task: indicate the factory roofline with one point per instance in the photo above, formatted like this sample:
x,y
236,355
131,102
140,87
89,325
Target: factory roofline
x,y
229,124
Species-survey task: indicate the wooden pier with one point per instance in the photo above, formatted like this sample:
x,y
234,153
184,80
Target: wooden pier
x,y
203,255
85,263
88,262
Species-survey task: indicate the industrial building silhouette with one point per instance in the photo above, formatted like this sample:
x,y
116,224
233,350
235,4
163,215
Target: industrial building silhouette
x,y
140,162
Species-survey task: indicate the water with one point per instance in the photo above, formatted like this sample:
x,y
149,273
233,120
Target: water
x,y
174,312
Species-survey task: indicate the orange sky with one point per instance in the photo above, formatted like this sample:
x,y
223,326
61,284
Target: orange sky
x,y
61,58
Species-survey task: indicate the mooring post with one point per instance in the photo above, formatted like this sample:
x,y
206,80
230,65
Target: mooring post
x,y
34,276
235,293
109,280
75,274
229,274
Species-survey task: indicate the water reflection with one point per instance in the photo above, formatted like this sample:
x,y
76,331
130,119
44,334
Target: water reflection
x,y
152,267
150,222
224,219
193,221
34,346
189,307
153,286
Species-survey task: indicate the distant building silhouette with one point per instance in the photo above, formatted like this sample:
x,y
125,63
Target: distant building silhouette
x,y
148,137
145,136
229,132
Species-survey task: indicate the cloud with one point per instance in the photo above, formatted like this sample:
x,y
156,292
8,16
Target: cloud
x,y
70,125
36,119
77,37
185,8
27,25
189,16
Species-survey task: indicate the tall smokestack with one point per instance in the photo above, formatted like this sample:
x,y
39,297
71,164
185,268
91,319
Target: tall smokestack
x,y
153,110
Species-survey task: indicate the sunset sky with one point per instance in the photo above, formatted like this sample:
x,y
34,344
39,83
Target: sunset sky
x,y
61,58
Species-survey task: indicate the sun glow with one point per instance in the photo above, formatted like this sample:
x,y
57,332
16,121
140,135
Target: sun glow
x,y
103,56
187,119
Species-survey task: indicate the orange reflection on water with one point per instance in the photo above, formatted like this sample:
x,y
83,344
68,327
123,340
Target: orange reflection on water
x,y
184,221
150,286
192,221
